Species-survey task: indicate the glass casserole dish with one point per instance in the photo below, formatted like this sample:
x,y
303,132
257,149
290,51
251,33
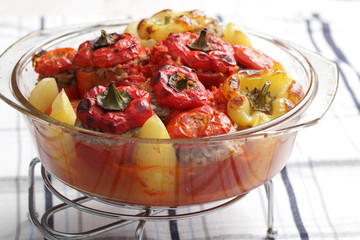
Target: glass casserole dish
x,y
165,172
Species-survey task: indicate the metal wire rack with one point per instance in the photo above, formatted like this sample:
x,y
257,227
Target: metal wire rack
x,y
142,215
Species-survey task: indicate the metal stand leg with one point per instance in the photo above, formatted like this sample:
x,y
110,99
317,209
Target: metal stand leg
x,y
141,226
271,231
33,214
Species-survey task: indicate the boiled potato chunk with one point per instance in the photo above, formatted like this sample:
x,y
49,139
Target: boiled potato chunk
x,y
62,109
132,28
235,35
44,94
153,128
157,162
60,147
154,154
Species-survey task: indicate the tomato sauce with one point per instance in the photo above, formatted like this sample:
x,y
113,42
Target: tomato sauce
x,y
115,177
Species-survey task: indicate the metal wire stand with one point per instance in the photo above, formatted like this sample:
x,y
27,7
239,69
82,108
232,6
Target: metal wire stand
x,y
142,215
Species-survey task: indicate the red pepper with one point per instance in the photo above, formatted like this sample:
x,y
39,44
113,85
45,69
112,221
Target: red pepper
x,y
178,88
252,58
199,122
57,63
72,91
108,50
217,99
98,110
104,76
205,54
54,61
111,57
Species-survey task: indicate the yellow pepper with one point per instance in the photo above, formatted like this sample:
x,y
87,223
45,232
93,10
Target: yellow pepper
x,y
161,24
132,29
258,96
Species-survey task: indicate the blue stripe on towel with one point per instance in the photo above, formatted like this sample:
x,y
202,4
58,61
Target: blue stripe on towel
x,y
174,231
294,207
339,54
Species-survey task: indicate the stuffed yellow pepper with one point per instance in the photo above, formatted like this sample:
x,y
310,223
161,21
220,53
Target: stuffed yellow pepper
x,y
258,96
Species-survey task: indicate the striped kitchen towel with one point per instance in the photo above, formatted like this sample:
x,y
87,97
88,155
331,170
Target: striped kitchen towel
x,y
316,195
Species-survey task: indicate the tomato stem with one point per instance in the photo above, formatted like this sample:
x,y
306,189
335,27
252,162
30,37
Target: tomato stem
x,y
261,100
113,99
201,44
167,19
104,40
179,82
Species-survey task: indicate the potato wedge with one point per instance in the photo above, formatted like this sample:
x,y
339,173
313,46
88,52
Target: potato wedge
x,y
44,93
236,35
157,162
62,109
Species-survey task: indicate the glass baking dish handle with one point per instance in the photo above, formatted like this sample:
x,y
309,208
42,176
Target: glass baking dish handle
x,y
325,77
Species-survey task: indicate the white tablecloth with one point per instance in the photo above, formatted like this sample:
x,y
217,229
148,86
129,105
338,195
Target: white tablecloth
x,y
316,196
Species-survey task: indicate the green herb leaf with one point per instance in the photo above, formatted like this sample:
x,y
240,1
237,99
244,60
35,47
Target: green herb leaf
x,y
201,44
113,99
261,100
104,40
179,82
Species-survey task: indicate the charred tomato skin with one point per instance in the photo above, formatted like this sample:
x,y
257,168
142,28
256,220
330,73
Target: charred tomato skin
x,y
252,58
48,63
211,66
125,49
199,122
178,88
135,114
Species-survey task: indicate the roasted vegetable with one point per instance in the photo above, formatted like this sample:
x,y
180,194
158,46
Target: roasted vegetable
x,y
236,35
48,63
161,24
58,64
252,58
198,122
44,94
114,110
178,88
212,58
132,28
108,50
111,57
62,109
258,96
156,163
127,74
